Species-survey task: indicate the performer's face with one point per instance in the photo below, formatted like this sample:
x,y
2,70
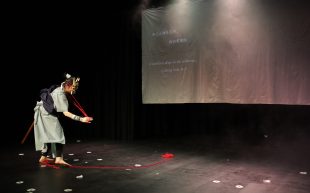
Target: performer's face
x,y
70,89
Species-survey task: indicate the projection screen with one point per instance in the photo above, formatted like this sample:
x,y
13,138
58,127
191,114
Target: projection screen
x,y
226,51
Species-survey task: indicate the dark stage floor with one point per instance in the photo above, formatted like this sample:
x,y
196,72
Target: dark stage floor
x,y
198,166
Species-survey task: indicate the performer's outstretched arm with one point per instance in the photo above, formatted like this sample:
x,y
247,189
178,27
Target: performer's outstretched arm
x,y
78,118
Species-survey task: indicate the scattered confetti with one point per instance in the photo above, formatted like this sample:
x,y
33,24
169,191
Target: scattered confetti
x,y
68,190
304,173
31,190
239,186
19,182
138,165
79,177
267,181
216,181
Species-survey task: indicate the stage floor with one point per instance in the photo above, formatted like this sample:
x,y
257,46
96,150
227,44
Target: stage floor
x,y
198,166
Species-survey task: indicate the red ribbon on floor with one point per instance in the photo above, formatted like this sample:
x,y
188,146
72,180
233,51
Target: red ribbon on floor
x,y
167,155
113,167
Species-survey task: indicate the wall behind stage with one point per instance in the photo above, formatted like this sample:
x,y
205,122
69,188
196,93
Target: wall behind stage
x,y
109,63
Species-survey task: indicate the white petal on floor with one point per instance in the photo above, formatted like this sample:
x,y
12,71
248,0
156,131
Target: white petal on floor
x,y
21,154
86,162
239,186
19,182
76,160
79,177
128,169
303,173
31,190
78,141
88,152
99,159
138,165
267,181
216,181
70,154
43,166
68,190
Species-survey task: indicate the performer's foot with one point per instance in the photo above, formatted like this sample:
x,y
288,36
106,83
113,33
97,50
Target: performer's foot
x,y
44,159
60,161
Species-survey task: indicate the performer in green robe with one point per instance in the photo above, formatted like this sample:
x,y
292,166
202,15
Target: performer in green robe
x,y
48,131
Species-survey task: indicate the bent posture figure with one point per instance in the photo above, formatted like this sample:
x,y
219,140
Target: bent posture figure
x,y
48,131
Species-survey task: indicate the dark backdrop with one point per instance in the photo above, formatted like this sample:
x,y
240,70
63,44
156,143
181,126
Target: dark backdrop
x,y
104,49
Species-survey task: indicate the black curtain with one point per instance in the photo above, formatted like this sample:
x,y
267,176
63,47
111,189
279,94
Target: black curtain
x,y
105,51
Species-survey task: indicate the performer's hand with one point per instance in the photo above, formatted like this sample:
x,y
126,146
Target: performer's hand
x,y
86,119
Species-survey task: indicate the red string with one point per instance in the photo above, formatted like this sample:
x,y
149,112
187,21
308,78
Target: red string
x,y
77,104
110,167
25,137
82,111
118,167
76,101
